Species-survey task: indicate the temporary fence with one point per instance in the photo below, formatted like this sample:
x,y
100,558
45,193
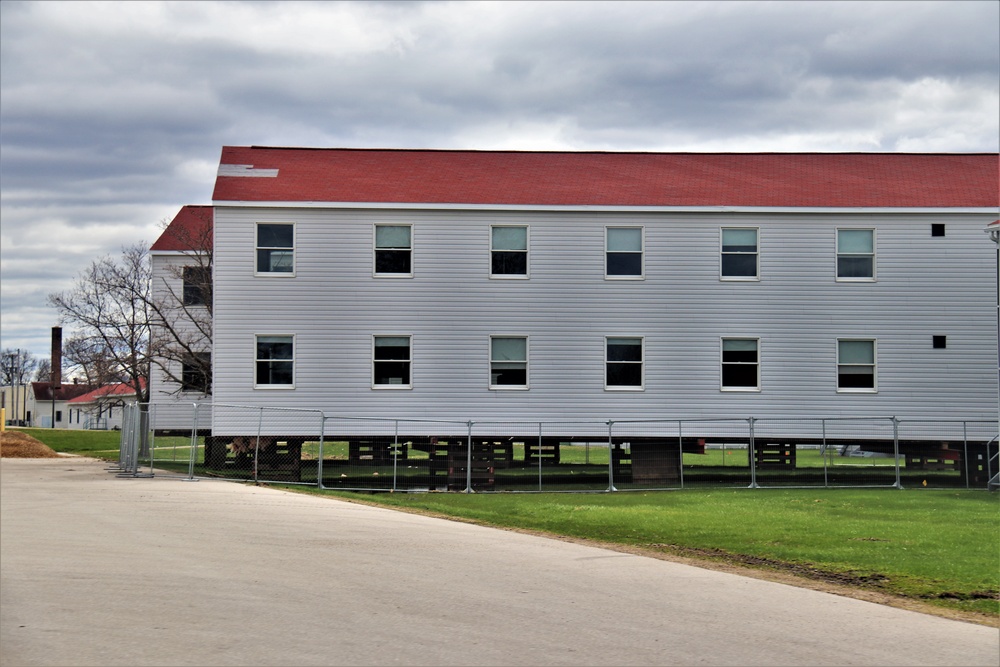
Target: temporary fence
x,y
302,446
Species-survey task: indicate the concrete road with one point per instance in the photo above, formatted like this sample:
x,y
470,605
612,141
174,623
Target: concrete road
x,y
96,570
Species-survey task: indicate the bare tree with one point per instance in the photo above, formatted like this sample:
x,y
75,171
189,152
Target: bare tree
x,y
17,367
109,306
181,313
43,371
92,358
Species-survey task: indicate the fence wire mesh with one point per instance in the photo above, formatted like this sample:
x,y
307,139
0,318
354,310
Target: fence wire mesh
x,y
361,454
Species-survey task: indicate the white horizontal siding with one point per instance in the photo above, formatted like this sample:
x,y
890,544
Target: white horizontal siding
x,y
172,409
926,286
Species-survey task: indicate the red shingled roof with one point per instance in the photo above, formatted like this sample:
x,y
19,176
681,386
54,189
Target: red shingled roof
x,y
44,391
191,226
120,390
608,179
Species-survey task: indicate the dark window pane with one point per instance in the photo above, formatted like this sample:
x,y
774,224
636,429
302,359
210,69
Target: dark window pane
x,y
624,264
744,356
624,375
196,375
392,372
624,351
850,377
274,372
275,261
855,267
197,285
275,236
739,265
274,350
390,352
510,376
739,375
392,261
510,263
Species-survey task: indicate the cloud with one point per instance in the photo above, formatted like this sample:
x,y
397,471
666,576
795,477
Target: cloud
x,y
113,114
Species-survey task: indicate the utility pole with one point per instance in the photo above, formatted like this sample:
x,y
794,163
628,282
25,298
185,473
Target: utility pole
x,y
17,385
9,359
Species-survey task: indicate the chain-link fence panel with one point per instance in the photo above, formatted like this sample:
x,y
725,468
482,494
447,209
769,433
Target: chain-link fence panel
x,y
262,443
944,453
394,455
647,454
715,452
178,432
266,444
541,456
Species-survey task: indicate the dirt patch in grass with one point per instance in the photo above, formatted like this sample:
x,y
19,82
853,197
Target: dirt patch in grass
x,y
17,445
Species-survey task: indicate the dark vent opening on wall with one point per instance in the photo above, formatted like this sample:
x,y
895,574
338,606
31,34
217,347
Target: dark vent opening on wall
x,y
940,342
937,229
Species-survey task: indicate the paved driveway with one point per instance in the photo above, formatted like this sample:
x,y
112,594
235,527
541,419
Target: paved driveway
x,y
96,570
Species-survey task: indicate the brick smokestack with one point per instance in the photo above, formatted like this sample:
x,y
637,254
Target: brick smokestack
x,y
56,364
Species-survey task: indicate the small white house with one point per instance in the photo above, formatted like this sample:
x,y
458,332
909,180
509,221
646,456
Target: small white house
x,y
100,409
49,407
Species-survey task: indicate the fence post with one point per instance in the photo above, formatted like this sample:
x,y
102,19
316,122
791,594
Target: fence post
x,y
965,450
611,459
395,452
895,450
468,458
319,458
194,444
680,446
539,450
752,453
256,451
826,471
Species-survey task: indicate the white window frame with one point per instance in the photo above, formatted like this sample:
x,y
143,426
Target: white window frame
x,y
258,248
642,365
642,253
874,256
527,254
257,385
723,363
409,361
722,253
526,361
874,366
375,249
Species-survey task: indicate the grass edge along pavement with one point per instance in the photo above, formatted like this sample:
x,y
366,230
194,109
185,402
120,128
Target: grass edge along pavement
x,y
933,550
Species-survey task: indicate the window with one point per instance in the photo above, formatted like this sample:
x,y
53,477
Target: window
x,y
275,361
393,250
275,248
624,252
58,415
197,285
508,362
196,373
739,254
391,362
624,363
508,252
937,229
939,342
855,365
740,364
855,254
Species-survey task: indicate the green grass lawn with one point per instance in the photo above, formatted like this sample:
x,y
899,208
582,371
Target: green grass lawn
x,y
939,546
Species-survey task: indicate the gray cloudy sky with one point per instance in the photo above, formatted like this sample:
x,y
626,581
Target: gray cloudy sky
x,y
113,114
